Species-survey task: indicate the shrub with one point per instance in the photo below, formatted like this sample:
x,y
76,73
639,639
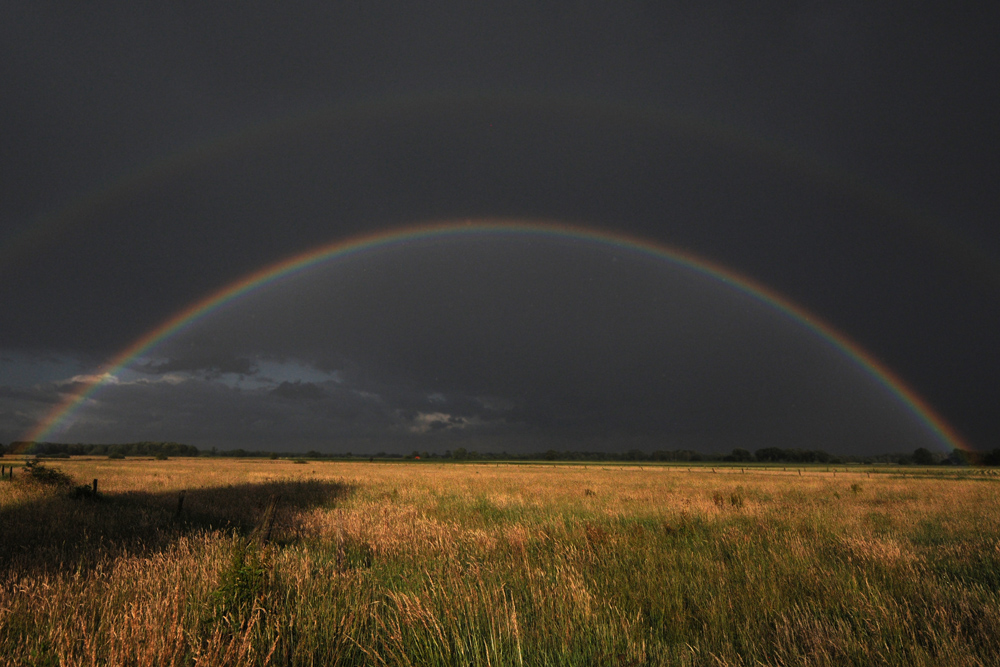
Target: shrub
x,y
39,474
116,455
86,492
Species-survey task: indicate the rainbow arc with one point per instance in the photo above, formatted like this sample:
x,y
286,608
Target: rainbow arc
x,y
72,403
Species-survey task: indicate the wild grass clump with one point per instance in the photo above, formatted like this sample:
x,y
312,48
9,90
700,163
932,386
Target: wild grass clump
x,y
242,586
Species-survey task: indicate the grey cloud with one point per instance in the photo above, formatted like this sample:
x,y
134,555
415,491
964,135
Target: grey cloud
x,y
298,391
40,394
21,408
203,362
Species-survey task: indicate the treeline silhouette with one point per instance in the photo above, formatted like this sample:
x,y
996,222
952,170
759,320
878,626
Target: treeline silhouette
x,y
921,456
56,450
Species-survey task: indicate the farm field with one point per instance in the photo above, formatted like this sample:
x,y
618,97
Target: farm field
x,y
272,562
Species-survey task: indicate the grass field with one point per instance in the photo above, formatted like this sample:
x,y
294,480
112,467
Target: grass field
x,y
327,563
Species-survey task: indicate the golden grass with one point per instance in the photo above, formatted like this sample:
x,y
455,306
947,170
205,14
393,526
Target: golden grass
x,y
427,563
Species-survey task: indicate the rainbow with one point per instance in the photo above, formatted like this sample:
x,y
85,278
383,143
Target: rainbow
x,y
265,132
74,401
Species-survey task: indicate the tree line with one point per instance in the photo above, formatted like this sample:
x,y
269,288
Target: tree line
x,y
920,456
54,449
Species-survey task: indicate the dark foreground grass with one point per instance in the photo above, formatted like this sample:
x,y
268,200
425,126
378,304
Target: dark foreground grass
x,y
486,565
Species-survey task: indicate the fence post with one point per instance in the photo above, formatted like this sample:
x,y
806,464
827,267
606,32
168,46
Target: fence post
x,y
95,486
180,504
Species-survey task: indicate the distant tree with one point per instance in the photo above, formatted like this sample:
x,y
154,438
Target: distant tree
x,y
460,454
992,458
741,455
3,449
923,457
770,454
957,458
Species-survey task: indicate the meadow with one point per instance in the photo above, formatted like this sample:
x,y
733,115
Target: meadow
x,y
273,562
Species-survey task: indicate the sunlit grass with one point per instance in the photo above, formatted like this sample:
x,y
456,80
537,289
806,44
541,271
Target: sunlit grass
x,y
424,563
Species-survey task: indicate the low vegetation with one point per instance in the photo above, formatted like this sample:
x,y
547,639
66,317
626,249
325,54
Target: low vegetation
x,y
284,563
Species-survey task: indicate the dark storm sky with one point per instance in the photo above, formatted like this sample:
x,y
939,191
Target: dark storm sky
x,y
841,154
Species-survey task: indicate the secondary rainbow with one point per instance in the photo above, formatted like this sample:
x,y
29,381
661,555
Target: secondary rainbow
x,y
274,131
73,401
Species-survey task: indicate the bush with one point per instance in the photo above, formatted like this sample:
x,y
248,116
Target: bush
x,y
116,455
37,473
161,457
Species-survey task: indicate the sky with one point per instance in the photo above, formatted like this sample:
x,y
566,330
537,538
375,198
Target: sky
x,y
842,157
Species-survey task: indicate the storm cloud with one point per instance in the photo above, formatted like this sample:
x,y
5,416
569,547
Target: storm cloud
x,y
839,156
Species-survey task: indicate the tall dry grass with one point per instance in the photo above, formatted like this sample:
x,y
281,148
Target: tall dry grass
x,y
434,564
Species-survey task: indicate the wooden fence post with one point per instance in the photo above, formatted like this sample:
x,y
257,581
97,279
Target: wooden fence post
x,y
95,486
180,504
